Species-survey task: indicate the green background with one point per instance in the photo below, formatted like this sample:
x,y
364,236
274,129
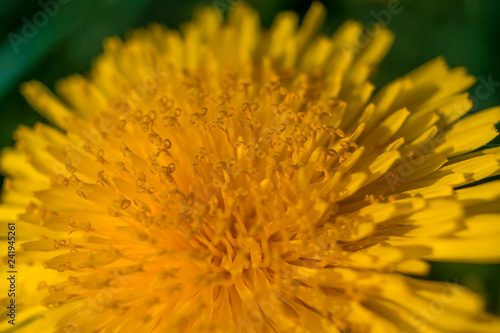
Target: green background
x,y
465,32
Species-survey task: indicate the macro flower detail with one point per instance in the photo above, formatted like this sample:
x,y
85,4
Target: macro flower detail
x,y
234,179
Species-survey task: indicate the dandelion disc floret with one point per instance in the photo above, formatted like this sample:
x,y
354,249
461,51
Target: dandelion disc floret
x,y
234,179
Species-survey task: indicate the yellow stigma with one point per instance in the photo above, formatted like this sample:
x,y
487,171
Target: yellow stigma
x,y
232,179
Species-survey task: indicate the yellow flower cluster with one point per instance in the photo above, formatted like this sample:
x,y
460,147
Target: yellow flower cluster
x,y
235,179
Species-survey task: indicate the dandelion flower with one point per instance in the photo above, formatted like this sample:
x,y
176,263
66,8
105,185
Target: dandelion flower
x,y
234,179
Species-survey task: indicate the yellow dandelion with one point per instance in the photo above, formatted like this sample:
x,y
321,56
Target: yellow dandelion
x,y
234,179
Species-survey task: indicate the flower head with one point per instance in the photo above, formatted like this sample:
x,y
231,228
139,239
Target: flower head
x,y
232,179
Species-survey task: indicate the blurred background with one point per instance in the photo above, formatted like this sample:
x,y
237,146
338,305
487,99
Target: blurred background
x,y
51,39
